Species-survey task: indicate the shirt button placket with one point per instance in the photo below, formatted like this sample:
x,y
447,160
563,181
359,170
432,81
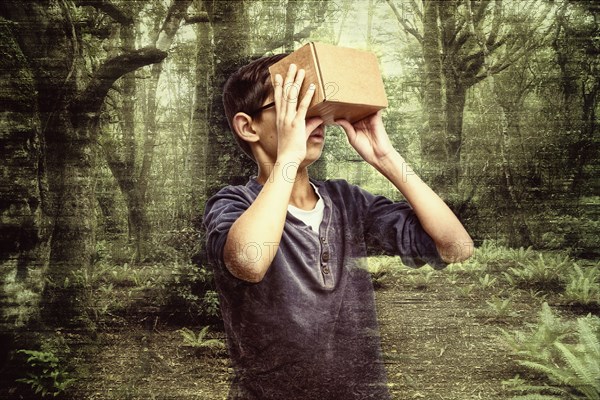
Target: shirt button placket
x,y
325,257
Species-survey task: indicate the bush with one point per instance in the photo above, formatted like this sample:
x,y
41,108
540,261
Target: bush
x,y
189,293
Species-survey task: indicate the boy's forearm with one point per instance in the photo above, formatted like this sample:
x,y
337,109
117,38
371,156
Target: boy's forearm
x,y
254,238
452,240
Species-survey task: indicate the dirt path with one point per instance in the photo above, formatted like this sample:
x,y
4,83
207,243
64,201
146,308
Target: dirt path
x,y
440,345
437,343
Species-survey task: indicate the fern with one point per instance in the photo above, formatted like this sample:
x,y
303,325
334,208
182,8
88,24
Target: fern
x,y
545,272
537,345
47,377
499,308
583,286
199,341
422,279
571,366
486,281
517,384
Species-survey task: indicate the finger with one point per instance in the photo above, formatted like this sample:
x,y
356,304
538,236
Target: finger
x,y
278,88
312,124
294,93
287,84
303,106
297,85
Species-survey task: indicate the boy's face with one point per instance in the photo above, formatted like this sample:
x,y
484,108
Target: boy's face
x,y
266,128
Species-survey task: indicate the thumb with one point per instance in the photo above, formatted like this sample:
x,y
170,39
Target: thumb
x,y
346,125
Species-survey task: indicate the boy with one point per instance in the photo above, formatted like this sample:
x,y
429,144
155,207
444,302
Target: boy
x,y
298,309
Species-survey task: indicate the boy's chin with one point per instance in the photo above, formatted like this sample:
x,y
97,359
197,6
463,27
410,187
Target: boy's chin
x,y
312,156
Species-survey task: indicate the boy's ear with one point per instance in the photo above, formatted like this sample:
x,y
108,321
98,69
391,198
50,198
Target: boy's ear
x,y
242,124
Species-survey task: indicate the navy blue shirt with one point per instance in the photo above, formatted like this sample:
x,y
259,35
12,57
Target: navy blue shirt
x,y
309,330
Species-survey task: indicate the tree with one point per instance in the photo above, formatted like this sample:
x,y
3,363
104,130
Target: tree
x,y
229,23
578,56
69,107
471,40
134,177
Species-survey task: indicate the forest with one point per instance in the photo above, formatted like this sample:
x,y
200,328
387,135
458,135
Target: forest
x,y
113,137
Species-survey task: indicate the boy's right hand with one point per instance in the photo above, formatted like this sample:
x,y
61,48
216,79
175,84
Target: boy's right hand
x,y
292,128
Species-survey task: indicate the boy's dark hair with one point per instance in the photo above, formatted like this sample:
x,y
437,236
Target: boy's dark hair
x,y
246,90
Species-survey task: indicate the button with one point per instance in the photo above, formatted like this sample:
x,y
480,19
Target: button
x,y
326,270
323,240
325,256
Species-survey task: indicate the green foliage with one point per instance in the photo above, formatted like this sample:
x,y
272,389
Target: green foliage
x,y
108,289
501,308
189,289
210,303
567,355
178,289
583,286
421,279
21,297
494,257
47,376
200,342
382,269
546,272
536,344
486,281
466,291
488,252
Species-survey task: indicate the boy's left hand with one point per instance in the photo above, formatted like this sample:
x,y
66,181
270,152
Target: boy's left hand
x,y
368,137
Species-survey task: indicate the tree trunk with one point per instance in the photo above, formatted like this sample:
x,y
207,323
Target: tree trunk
x,y
200,125
585,149
456,94
24,219
519,233
291,14
226,163
138,224
48,42
73,237
370,12
433,142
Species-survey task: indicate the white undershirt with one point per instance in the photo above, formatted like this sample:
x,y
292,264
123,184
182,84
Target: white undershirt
x,y
312,217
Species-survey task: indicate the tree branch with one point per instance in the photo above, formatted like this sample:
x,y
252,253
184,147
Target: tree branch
x,y
453,37
91,98
481,11
197,18
274,44
413,31
496,22
177,13
109,8
416,9
467,59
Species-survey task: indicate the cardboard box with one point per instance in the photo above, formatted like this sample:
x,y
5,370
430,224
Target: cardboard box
x,y
348,81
